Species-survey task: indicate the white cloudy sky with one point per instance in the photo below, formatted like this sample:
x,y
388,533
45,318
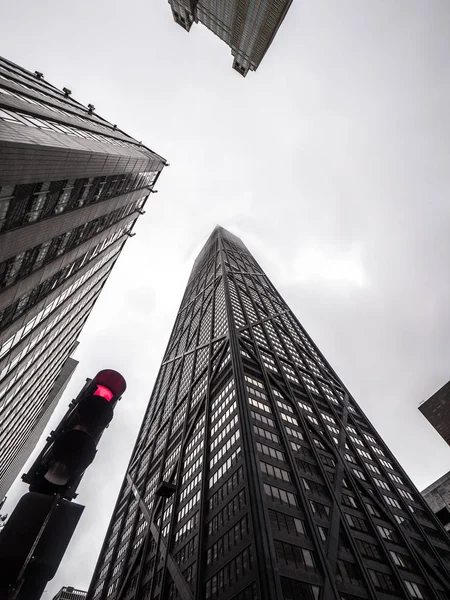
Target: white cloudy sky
x,y
331,162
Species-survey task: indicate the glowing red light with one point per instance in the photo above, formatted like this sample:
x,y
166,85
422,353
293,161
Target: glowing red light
x,y
104,392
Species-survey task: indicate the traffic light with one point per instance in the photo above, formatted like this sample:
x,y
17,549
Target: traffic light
x,y
71,448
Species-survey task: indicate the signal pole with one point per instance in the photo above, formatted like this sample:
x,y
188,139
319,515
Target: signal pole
x,y
36,535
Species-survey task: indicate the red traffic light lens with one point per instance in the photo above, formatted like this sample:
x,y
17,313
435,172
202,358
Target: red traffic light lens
x,y
112,381
104,392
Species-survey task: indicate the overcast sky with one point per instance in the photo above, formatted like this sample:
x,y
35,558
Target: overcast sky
x,y
331,162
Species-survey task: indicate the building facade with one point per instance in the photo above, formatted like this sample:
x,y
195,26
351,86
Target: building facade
x,y
37,426
70,593
255,474
437,411
247,26
71,187
437,496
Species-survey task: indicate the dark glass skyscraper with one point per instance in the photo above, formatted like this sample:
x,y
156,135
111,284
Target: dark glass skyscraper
x,y
71,187
282,489
247,26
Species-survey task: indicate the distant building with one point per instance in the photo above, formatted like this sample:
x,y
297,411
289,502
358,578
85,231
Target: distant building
x,y
248,27
71,188
437,410
438,497
256,475
70,593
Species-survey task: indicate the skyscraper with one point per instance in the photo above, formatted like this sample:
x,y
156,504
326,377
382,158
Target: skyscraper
x,y
255,474
437,411
247,26
71,187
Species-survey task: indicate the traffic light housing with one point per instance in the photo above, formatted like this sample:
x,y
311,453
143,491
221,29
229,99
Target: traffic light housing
x,y
71,448
42,521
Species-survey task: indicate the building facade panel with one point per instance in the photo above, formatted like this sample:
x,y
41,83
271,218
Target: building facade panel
x,y
282,487
72,185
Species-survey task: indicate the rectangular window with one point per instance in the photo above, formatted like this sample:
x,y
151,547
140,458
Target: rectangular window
x,y
266,434
286,523
233,571
294,556
382,581
414,589
227,513
289,419
227,541
356,523
369,550
347,571
320,510
281,496
391,501
387,534
269,451
224,490
405,494
294,433
263,419
273,471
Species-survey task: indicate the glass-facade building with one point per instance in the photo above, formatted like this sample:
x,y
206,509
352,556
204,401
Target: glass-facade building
x,y
247,27
71,187
255,474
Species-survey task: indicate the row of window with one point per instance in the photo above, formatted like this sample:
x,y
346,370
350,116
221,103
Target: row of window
x,y
224,467
188,506
226,542
229,574
39,292
49,94
27,358
276,472
273,437
287,524
280,496
55,126
224,449
28,203
187,550
225,416
294,556
269,451
186,529
227,513
188,489
226,488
